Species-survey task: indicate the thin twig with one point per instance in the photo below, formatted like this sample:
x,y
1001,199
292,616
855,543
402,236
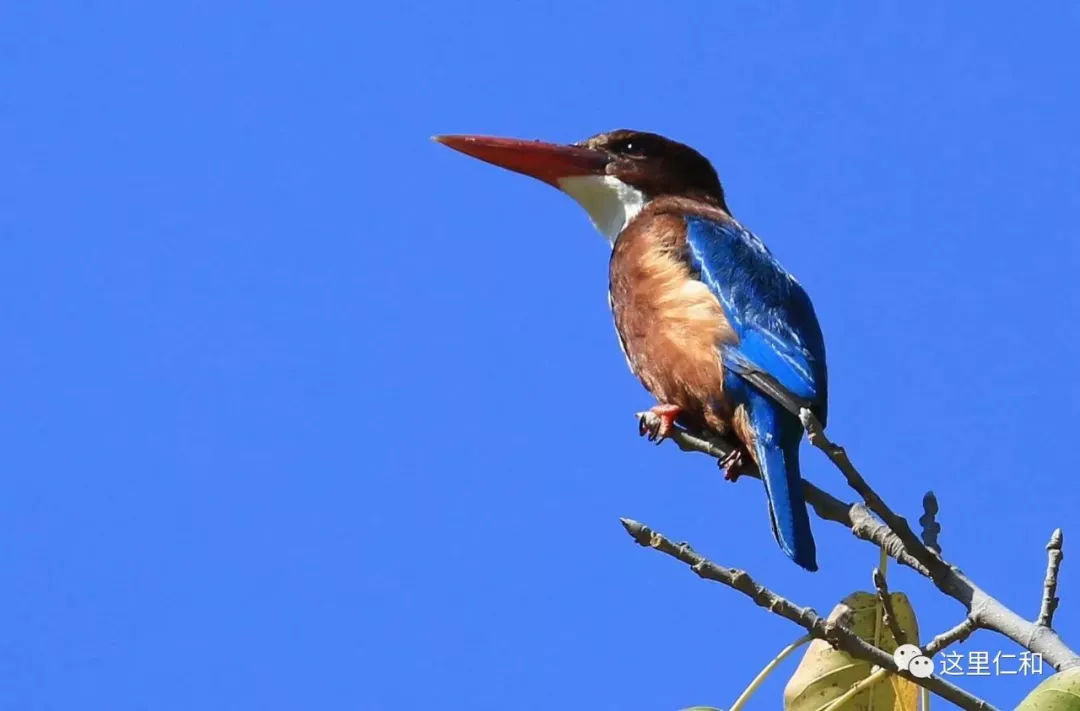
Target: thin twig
x,y
888,614
831,631
988,612
899,525
957,634
1054,555
930,527
854,516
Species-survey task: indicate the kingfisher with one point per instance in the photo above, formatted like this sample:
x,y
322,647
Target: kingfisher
x,y
723,337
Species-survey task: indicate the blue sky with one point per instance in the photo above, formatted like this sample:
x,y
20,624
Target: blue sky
x,y
301,410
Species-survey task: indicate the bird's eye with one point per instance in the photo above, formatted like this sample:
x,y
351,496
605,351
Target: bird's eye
x,y
629,148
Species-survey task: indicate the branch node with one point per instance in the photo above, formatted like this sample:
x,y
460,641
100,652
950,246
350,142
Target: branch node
x,y
888,614
930,527
1054,556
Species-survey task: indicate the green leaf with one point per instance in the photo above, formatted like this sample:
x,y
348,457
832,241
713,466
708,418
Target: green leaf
x,y
825,674
1061,692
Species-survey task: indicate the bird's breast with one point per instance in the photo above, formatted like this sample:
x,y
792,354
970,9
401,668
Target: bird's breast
x,y
670,324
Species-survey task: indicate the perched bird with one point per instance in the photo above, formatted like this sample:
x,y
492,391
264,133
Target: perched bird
x,y
724,338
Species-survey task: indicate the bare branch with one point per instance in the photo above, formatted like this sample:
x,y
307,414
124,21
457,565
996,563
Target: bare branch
x,y
831,631
855,517
1054,555
959,633
888,614
988,612
899,525
928,521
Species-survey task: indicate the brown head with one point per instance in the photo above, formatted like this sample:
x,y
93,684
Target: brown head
x,y
612,175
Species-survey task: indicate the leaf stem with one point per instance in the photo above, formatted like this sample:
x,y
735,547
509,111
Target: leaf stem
x,y
857,689
760,678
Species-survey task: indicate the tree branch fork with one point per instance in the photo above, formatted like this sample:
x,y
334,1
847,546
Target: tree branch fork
x,y
872,520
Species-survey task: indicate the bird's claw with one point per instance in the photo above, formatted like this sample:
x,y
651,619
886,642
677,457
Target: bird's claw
x,y
649,426
657,423
732,464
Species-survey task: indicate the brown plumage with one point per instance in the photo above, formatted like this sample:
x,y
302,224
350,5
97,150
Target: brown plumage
x,y
670,324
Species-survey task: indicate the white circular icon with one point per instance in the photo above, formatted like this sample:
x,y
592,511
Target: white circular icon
x,y
910,658
921,667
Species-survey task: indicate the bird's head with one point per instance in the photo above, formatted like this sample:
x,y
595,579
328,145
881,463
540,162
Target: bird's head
x,y
612,175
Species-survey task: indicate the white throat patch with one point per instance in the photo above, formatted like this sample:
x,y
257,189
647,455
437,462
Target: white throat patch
x,y
610,202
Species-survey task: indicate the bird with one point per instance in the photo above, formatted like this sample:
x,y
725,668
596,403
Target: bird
x,y
725,339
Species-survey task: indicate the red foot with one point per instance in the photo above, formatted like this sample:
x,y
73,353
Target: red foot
x,y
732,465
658,427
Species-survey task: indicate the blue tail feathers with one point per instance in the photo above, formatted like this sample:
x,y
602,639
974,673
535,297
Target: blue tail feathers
x,y
777,448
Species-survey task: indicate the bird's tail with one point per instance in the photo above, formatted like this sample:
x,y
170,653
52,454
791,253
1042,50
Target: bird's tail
x,y
778,460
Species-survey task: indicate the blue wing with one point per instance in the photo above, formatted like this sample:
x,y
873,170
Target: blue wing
x,y
770,312
776,368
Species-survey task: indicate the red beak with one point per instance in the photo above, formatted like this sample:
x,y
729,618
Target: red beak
x,y
544,161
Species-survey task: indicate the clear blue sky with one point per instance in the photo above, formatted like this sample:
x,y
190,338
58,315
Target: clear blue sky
x,y
301,410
